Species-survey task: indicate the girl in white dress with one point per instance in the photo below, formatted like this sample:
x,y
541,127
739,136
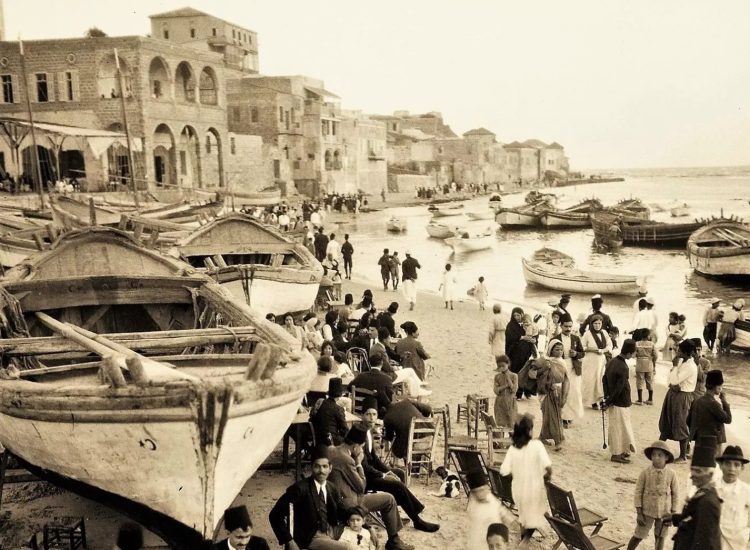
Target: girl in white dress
x,y
597,344
448,286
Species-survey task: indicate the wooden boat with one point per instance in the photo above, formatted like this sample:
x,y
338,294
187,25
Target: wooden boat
x,y
266,197
742,336
68,213
395,225
633,208
446,211
575,216
475,216
14,248
495,198
721,248
553,269
439,230
464,242
257,264
524,216
534,196
143,384
638,232
680,210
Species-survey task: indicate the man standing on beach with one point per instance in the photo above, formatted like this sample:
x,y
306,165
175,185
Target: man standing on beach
x,y
385,268
710,322
617,402
347,251
409,276
321,243
333,247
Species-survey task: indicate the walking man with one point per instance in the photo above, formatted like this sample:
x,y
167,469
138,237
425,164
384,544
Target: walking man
x,y
409,276
347,251
710,321
385,268
617,402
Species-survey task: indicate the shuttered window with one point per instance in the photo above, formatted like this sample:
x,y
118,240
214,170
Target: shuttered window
x,y
68,86
9,91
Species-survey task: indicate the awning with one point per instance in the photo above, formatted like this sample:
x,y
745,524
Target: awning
x,y
321,92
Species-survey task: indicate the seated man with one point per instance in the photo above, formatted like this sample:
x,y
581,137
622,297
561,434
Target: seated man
x,y
348,476
328,417
386,319
240,527
397,423
407,375
317,509
381,478
377,381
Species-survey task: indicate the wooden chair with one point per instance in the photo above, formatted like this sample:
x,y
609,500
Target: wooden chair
x,y
465,461
573,537
502,487
562,504
452,441
352,325
358,397
68,533
420,453
358,360
498,439
475,404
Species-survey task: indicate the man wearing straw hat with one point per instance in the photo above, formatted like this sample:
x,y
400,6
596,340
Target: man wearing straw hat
x,y
735,497
710,323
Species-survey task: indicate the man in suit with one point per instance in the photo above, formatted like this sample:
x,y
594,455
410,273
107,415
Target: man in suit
x,y
367,340
318,510
348,475
376,380
321,243
381,478
240,527
386,319
329,419
397,423
711,411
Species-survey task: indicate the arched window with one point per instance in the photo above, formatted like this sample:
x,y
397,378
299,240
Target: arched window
x,y
208,144
207,87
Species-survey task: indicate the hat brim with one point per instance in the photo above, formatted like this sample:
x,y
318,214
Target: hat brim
x,y
670,457
741,459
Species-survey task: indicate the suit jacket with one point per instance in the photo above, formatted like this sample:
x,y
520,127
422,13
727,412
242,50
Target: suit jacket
x,y
397,422
386,320
378,382
412,354
348,479
698,525
256,543
373,466
329,419
303,498
708,416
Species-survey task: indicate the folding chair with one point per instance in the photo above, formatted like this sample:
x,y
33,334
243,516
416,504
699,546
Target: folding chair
x,y
465,461
357,359
573,537
498,439
423,435
358,397
502,487
562,504
450,439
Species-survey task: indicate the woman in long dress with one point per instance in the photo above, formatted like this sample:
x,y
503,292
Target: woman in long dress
x,y
448,286
505,387
498,325
553,385
676,407
597,344
529,464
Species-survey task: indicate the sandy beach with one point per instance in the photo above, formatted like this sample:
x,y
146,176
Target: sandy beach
x,y
462,364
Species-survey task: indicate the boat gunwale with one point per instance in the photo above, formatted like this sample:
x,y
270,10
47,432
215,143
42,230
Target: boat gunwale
x,y
532,266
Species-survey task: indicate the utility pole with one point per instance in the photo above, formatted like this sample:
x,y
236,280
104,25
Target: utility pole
x,y
35,163
131,161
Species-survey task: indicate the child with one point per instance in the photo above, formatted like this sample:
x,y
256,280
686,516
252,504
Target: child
x,y
675,334
481,293
483,510
497,536
645,364
656,496
735,496
354,534
505,388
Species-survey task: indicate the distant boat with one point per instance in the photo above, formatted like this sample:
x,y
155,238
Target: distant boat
x,y
680,210
465,242
553,269
721,248
395,225
439,230
474,216
446,211
575,216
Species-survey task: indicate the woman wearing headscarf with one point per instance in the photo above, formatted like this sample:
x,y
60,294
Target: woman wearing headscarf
x,y
598,347
553,385
683,377
522,344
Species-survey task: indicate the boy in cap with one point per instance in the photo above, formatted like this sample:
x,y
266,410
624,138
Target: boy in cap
x,y
698,524
735,497
710,321
656,496
710,412
483,510
240,527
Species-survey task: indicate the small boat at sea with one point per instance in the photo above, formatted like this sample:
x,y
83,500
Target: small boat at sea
x,y
679,211
135,381
495,198
395,225
439,230
257,264
555,270
635,231
445,211
464,242
474,216
578,215
721,248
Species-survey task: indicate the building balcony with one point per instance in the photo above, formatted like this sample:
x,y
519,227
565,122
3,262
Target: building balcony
x,y
376,155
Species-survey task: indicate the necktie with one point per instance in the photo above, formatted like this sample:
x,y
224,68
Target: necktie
x,y
322,511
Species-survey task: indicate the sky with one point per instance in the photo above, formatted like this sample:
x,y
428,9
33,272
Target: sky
x,y
628,83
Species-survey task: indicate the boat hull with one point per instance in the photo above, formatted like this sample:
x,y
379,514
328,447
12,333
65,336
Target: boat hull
x,y
12,255
562,279
551,219
472,244
396,227
439,231
720,249
742,336
679,212
480,215
736,265
269,293
511,218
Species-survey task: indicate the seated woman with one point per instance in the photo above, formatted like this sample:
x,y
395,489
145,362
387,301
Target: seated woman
x,y
297,332
340,368
313,337
329,328
319,384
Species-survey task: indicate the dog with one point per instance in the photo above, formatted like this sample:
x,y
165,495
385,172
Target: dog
x,y
451,486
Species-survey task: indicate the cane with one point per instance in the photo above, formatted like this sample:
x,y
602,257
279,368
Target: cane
x,y
604,432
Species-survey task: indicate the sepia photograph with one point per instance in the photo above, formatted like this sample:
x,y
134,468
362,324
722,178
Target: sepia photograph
x,y
393,275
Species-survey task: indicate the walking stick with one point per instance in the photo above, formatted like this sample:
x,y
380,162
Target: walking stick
x,y
604,433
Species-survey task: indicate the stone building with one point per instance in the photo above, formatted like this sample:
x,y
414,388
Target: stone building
x,y
365,165
533,160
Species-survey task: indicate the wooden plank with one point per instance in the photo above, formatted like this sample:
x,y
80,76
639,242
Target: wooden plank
x,y
98,314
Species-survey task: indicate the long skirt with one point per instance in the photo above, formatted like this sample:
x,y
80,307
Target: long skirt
x,y
410,290
592,389
505,409
621,438
551,420
573,408
674,412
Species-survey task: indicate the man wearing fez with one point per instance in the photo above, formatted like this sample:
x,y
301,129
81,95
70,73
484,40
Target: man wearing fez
x,y
711,411
317,510
237,522
381,478
348,475
698,524
329,419
129,537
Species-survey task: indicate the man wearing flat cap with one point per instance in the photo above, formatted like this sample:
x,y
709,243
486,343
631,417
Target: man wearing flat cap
x,y
348,476
698,524
240,527
735,497
317,510
710,412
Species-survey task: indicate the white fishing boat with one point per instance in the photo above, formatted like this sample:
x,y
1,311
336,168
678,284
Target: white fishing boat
x,y
742,336
518,217
439,230
680,210
474,216
720,248
445,211
465,242
137,382
395,225
575,216
553,269
257,264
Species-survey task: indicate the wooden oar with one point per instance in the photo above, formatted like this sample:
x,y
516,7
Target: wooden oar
x,y
156,372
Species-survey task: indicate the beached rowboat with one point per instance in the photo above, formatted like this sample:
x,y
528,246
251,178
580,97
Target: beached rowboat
x,y
439,230
187,392
555,270
471,243
638,232
395,225
445,211
721,248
